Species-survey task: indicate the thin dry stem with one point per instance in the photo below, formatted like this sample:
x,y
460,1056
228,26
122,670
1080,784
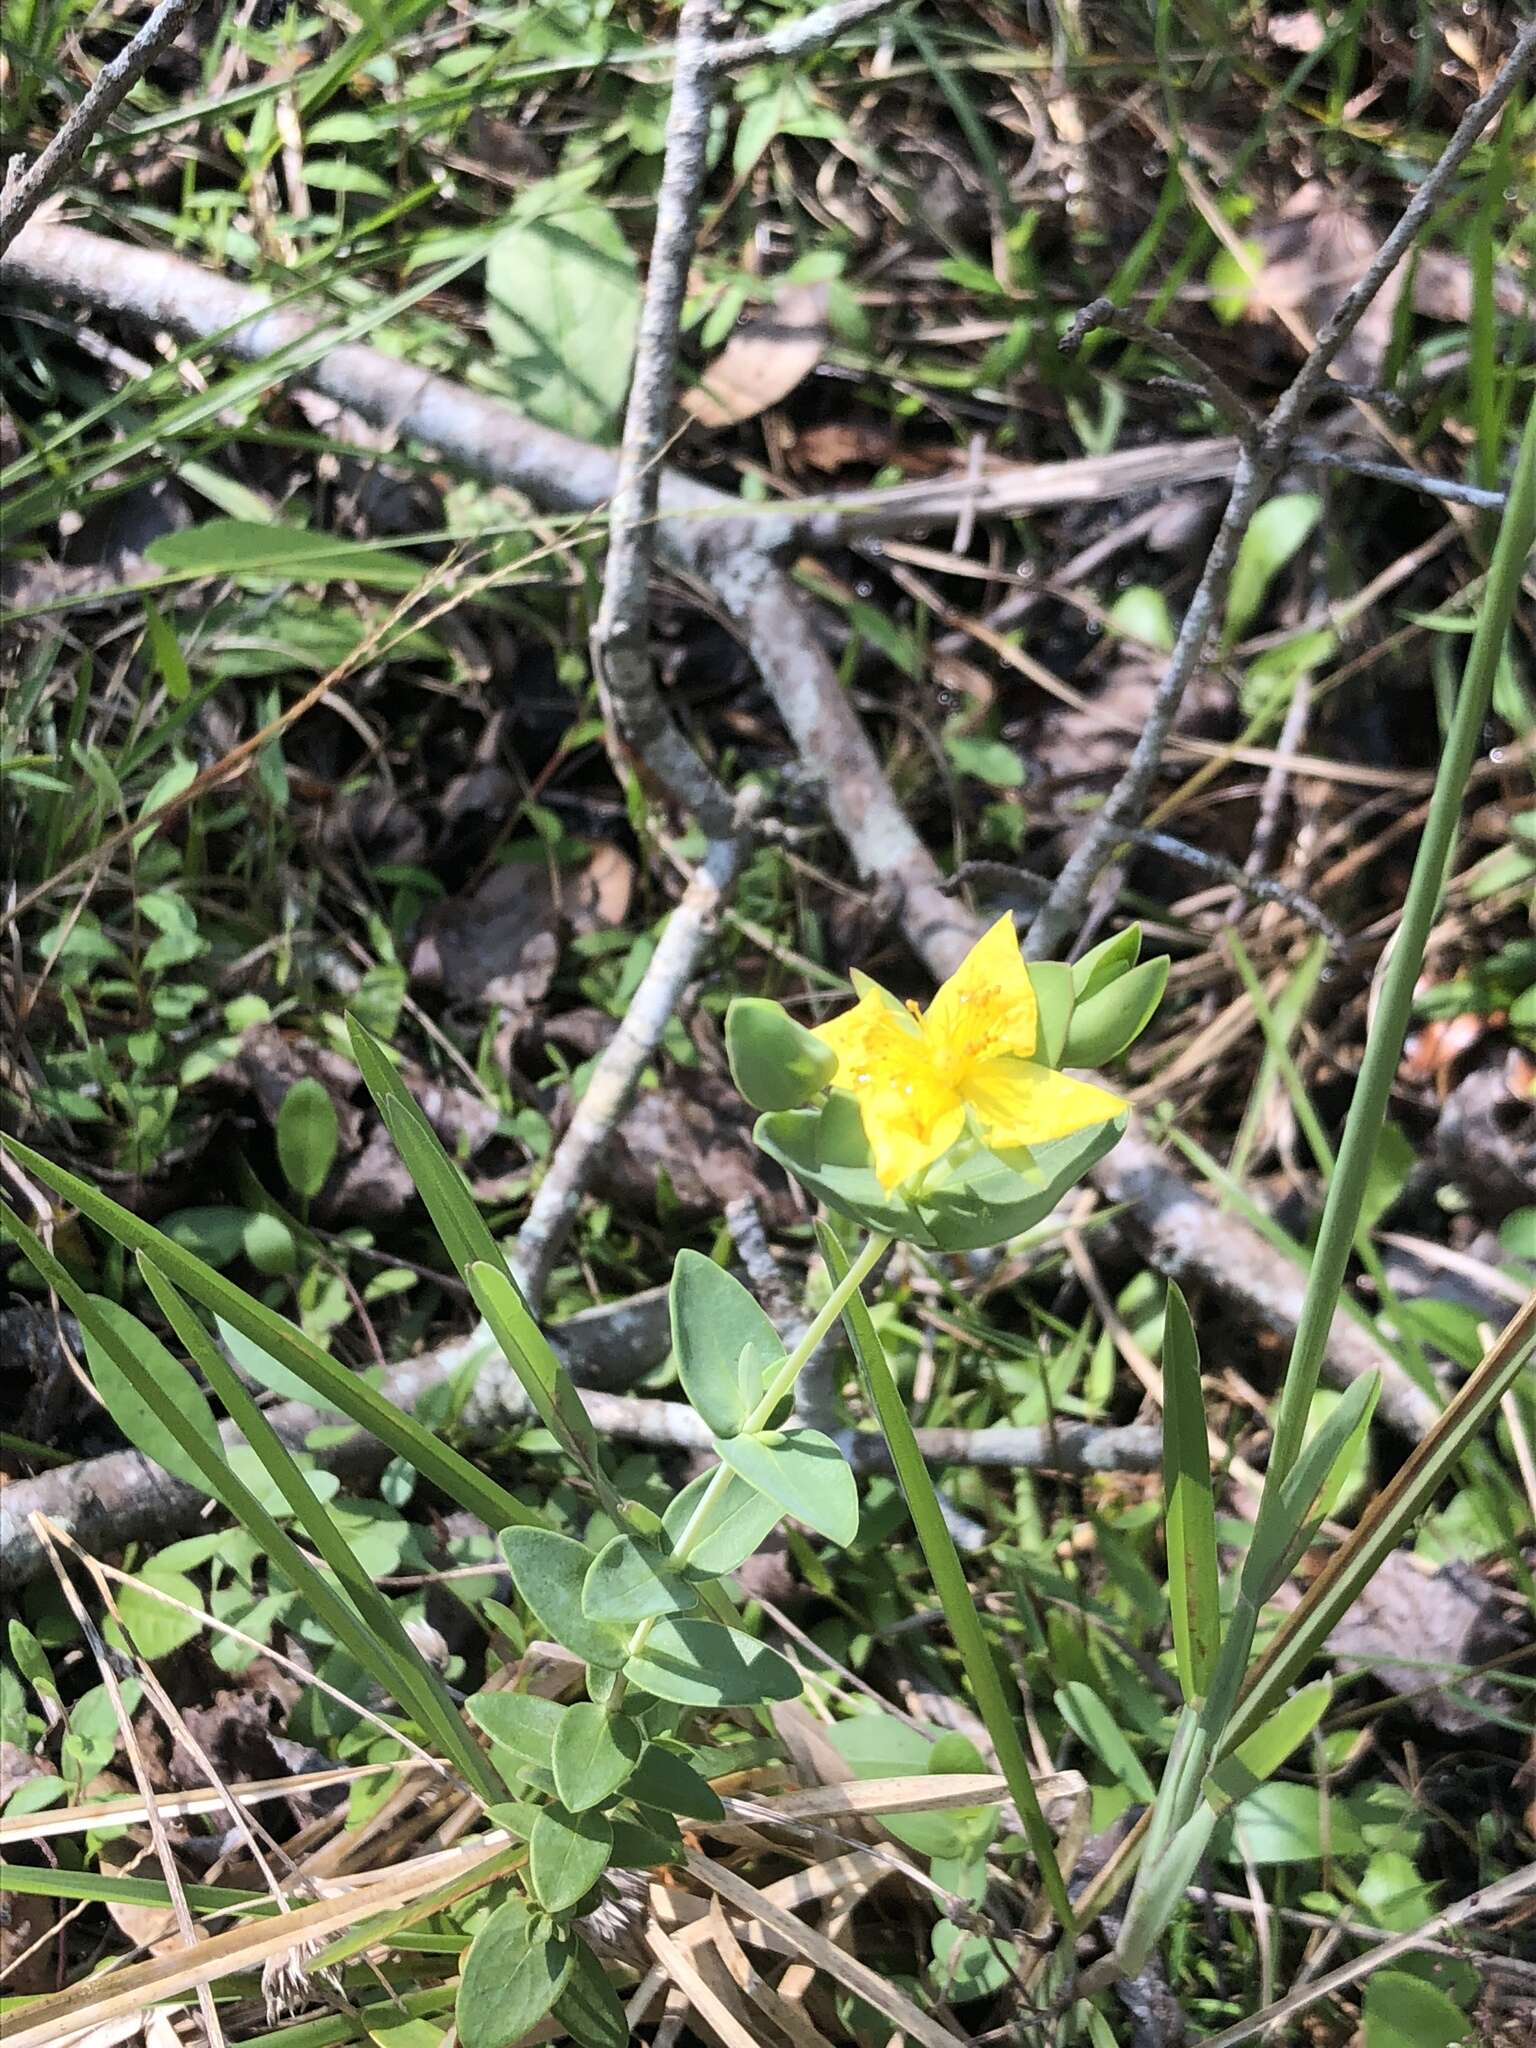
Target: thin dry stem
x,y
26,190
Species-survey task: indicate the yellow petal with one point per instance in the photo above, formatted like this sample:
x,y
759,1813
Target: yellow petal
x,y
1019,1103
987,1007
906,1134
870,1039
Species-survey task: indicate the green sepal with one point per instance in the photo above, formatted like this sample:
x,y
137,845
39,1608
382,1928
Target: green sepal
x,y
1106,962
983,1200
775,1062
1051,981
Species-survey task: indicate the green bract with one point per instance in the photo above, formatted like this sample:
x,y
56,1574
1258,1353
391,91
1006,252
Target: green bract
x,y
983,1199
775,1062
1102,1025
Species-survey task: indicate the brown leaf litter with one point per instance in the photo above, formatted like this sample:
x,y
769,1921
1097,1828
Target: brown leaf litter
x,y
498,944
764,360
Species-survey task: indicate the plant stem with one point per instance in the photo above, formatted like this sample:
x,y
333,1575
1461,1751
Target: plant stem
x,y
843,1290
999,1713
1180,1791
1367,1109
782,1384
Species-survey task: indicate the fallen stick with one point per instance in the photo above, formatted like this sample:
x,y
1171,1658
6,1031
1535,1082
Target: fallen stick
x,y
1193,1242
123,1497
626,674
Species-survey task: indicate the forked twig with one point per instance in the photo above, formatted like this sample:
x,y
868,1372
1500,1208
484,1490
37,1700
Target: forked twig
x,y
621,657
25,190
621,652
1257,466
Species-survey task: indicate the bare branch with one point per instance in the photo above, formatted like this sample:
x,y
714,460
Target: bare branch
x,y
707,534
1262,888
1198,377
1062,911
621,651
1335,331
25,191
796,38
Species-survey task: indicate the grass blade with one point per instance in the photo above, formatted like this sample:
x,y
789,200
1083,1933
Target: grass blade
x,y
333,1385
1194,1581
1387,1519
379,1637
998,1712
222,1483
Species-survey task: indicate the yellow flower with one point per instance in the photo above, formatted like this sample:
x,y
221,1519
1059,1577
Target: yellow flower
x,y
918,1075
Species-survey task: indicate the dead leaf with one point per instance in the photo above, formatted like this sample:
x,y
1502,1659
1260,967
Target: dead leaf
x,y
1301,32
499,944
692,1130
1314,252
151,1927
463,1120
1434,1052
597,899
764,360
842,444
1319,246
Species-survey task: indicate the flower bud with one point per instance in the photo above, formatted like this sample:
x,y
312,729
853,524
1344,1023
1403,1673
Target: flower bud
x,y
1105,1024
775,1062
1107,961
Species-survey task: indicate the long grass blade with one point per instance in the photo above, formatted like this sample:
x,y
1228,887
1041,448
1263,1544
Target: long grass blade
x,y
333,1385
1194,1578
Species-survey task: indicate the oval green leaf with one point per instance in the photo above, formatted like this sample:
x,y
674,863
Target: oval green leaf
x,y
589,2008
594,1754
725,1343
307,1136
703,1664
567,1854
549,1571
804,1473
521,1721
511,1978
629,1581
738,1520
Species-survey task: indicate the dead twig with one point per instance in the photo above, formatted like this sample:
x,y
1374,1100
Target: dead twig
x,y
1198,376
1262,888
621,653
1257,466
108,1502
614,1079
621,659
796,38
25,190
